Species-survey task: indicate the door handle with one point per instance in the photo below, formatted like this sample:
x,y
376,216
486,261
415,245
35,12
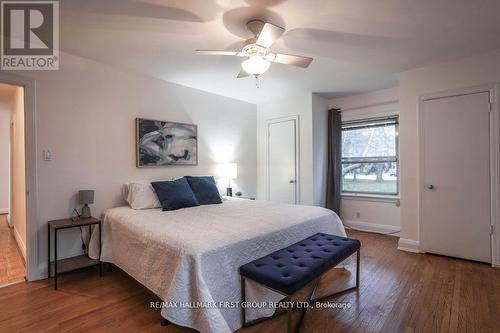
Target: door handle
x,y
292,181
430,187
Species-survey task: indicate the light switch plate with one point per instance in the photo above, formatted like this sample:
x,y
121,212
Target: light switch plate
x,y
47,155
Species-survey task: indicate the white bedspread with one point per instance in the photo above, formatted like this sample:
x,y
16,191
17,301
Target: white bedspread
x,y
193,254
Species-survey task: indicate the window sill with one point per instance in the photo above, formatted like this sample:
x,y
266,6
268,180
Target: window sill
x,y
371,197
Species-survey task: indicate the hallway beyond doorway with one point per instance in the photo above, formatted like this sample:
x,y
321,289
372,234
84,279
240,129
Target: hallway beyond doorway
x,y
11,262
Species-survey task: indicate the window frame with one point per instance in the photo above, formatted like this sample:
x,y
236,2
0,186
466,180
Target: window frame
x,y
367,123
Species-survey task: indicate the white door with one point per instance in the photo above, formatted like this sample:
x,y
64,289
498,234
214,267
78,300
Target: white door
x,y
282,161
456,176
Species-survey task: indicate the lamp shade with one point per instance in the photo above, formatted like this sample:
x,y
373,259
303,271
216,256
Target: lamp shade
x,y
255,65
227,170
86,197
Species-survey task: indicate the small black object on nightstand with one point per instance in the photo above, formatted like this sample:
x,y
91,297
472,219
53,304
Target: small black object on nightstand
x,y
70,264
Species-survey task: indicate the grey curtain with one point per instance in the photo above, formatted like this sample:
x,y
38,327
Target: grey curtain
x,y
334,172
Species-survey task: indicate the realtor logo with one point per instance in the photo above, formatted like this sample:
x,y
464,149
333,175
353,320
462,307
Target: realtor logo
x,y
30,35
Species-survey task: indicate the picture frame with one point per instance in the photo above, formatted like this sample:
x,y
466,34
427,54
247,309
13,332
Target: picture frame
x,y
162,143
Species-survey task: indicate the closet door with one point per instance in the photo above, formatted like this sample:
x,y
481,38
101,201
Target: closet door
x,y
282,161
456,176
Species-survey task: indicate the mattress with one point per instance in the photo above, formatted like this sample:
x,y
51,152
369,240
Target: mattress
x,y
190,257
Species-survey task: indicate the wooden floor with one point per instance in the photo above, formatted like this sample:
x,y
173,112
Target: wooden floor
x,y
11,263
400,292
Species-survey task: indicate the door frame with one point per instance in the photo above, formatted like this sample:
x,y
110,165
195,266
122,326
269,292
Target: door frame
x,y
494,93
32,271
270,122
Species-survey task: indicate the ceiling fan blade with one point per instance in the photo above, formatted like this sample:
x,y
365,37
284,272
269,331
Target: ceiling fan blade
x,y
269,34
288,59
220,52
242,73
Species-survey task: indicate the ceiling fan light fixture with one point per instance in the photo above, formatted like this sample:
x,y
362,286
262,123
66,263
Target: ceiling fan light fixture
x,y
255,65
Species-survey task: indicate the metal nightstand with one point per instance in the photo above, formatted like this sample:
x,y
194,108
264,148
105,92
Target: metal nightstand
x,y
73,263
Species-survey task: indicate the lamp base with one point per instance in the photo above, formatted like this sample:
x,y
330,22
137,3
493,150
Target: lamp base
x,y
229,191
85,212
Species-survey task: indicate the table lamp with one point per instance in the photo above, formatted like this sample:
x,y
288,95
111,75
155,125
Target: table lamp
x,y
86,197
228,171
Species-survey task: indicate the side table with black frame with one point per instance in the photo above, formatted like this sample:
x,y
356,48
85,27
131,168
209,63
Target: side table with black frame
x,y
70,264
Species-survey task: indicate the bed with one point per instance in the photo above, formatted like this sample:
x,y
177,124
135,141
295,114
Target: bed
x,y
190,257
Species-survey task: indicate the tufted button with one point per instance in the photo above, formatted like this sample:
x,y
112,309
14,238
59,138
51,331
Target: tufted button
x,y
295,257
291,251
286,275
336,244
314,239
301,265
275,257
320,245
308,251
259,265
330,239
302,245
326,250
280,265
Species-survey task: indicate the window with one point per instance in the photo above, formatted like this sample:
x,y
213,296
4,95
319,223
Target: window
x,y
370,156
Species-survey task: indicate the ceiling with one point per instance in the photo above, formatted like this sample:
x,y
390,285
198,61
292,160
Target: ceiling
x,y
357,45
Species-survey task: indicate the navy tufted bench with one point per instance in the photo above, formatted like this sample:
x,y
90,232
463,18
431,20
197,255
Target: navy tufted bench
x,y
288,270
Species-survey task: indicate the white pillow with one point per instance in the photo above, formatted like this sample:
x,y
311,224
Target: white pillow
x,y
140,195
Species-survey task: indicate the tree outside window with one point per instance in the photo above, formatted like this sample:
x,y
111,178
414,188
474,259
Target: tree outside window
x,y
370,157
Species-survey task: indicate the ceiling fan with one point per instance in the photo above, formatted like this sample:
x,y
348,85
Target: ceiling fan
x,y
257,49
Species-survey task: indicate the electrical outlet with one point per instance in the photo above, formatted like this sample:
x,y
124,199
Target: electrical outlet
x,y
358,215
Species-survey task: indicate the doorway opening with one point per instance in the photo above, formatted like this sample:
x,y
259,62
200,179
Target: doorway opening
x,y
13,219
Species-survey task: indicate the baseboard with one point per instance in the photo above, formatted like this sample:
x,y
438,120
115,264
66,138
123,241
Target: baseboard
x,y
409,245
372,227
20,243
12,283
4,211
42,272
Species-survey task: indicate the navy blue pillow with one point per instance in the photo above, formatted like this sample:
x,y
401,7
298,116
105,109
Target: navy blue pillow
x,y
205,189
175,194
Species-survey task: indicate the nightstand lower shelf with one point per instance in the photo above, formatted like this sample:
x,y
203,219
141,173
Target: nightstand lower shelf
x,y
58,266
73,263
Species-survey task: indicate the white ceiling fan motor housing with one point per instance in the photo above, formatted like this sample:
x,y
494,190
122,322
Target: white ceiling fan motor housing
x,y
253,50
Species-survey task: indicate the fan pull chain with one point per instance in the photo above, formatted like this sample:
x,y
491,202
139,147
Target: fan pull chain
x,y
257,81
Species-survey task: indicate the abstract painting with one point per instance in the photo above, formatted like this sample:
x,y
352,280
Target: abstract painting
x,y
161,143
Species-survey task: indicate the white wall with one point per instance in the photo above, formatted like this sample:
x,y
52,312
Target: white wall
x,y
371,214
4,154
478,70
320,148
313,132
85,115
298,104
